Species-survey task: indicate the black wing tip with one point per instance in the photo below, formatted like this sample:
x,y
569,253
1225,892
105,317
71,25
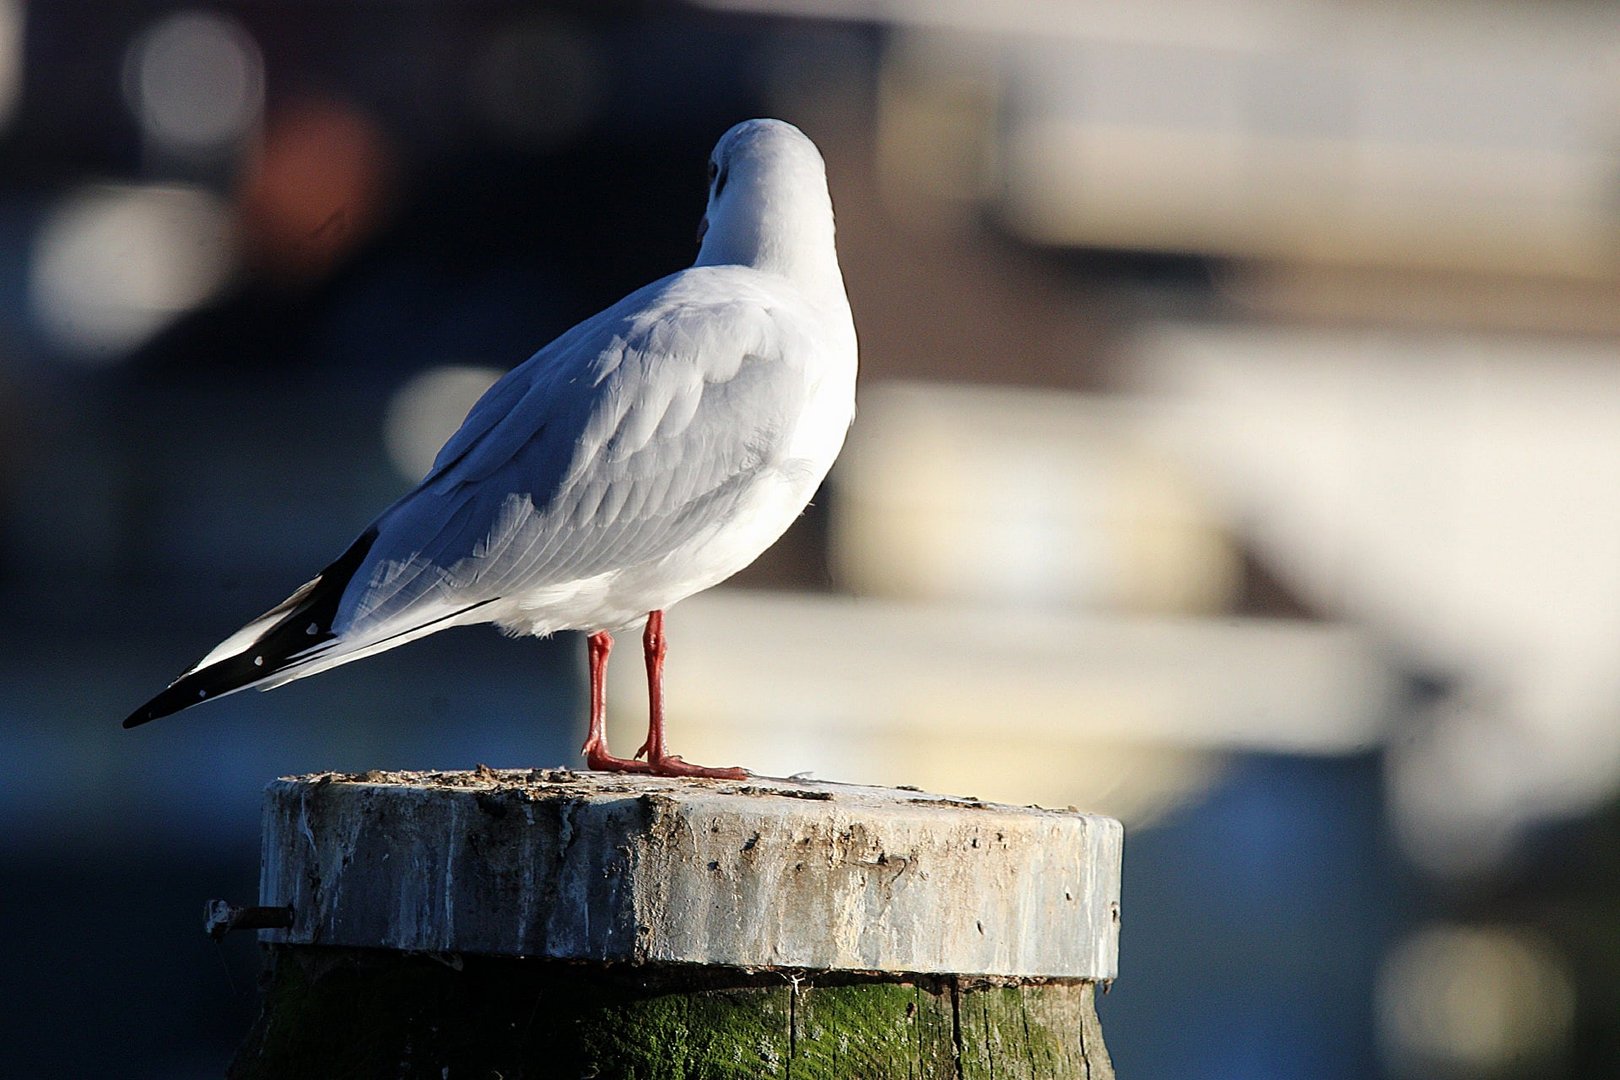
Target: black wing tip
x,y
146,714
156,709
306,622
189,690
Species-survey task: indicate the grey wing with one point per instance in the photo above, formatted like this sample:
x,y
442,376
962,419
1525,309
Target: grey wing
x,y
622,463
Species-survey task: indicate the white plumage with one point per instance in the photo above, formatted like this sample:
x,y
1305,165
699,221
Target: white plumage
x,y
648,453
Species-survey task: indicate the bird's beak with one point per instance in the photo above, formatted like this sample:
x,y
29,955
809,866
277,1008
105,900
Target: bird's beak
x,y
703,228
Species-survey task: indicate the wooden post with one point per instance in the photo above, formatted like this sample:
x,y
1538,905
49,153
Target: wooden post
x,y
560,924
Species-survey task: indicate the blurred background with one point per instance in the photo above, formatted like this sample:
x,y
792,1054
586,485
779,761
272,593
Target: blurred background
x,y
1238,454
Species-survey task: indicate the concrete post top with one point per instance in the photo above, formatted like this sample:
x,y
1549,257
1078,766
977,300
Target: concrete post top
x,y
755,873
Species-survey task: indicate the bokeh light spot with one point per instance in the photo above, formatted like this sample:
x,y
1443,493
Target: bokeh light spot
x,y
195,80
113,264
1472,1001
428,409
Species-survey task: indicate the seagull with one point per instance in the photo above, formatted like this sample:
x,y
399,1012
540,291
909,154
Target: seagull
x,y
645,455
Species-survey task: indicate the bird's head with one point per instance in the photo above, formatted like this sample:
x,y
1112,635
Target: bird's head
x,y
768,203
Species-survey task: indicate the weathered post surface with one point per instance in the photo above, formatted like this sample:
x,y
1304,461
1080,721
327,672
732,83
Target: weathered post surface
x,y
551,923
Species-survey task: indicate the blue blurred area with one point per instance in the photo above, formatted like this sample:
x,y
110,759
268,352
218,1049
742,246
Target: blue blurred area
x,y
1255,921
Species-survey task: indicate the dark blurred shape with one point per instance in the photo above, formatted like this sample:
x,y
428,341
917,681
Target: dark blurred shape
x,y
538,81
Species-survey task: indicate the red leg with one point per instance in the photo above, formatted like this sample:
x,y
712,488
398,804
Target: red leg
x,y
653,649
660,760
595,749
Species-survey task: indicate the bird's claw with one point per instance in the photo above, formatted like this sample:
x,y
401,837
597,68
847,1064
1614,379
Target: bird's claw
x,y
671,765
599,760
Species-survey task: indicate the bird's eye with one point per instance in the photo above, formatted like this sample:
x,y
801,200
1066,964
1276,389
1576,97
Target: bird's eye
x,y
714,170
